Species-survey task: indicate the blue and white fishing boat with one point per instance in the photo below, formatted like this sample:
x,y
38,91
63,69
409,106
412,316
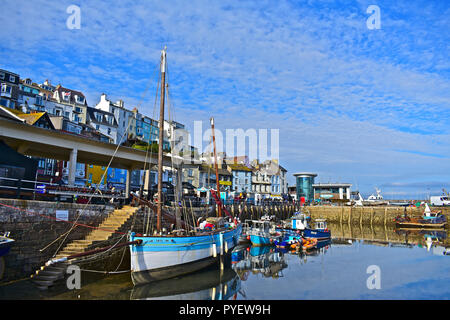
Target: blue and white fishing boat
x,y
5,244
261,233
166,255
298,222
319,232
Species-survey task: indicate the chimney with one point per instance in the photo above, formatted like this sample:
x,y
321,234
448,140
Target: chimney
x,y
120,103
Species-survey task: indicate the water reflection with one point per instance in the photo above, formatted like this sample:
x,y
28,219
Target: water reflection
x,y
389,236
432,240
211,284
264,260
334,270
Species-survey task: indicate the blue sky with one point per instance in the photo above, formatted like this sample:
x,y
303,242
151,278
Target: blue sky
x,y
368,107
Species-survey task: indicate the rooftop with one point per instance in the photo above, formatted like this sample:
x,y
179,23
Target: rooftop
x,y
309,174
239,167
318,185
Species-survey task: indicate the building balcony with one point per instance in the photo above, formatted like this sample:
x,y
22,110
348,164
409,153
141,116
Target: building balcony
x,y
5,94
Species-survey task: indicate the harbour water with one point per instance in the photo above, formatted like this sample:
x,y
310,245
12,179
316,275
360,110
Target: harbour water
x,y
411,266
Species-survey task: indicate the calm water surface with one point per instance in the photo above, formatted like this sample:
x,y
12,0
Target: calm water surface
x,y
409,269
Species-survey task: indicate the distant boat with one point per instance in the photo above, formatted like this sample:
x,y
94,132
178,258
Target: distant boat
x,y
372,200
319,232
429,219
292,226
401,204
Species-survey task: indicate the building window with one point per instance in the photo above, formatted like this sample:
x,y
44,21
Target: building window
x,y
6,88
2,76
79,99
39,100
12,78
109,130
41,163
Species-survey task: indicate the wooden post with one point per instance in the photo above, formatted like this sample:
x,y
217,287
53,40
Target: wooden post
x,y
361,212
350,215
371,216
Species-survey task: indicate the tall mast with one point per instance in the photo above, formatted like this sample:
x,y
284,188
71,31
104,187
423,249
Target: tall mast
x,y
216,166
161,138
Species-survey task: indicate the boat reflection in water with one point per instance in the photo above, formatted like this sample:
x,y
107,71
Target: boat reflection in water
x,y
208,284
432,240
264,260
320,248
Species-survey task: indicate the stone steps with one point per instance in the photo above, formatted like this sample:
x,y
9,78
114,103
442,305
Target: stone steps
x,y
47,275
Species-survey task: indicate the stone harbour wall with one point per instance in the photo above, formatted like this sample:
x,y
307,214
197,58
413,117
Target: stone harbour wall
x,y
33,229
376,215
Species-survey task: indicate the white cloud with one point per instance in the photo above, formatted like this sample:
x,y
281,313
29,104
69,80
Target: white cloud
x,y
344,98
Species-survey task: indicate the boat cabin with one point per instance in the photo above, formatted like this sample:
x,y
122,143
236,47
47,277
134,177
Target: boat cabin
x,y
259,225
299,223
428,214
320,224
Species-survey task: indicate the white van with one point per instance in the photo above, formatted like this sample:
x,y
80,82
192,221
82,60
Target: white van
x,y
440,201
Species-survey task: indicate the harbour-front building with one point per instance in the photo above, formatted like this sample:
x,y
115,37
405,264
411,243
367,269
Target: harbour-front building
x,y
304,182
332,191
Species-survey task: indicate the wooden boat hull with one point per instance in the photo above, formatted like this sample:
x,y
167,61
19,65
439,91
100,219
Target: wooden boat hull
x,y
164,257
422,226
